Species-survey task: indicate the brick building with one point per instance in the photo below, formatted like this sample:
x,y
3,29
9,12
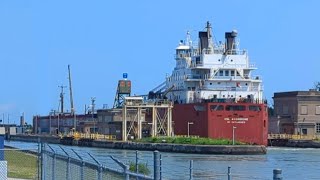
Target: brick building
x,y
297,112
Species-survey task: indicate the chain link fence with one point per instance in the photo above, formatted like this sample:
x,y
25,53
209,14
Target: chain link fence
x,y
22,163
66,163
54,162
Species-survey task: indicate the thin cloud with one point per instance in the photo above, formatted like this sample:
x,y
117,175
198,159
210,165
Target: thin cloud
x,y
7,107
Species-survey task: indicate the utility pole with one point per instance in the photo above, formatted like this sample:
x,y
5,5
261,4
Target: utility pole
x,y
62,97
92,113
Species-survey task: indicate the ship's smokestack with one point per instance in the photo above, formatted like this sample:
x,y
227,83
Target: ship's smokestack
x,y
231,42
205,39
22,120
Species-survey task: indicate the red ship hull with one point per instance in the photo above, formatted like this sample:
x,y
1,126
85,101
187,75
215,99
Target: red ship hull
x,y
249,121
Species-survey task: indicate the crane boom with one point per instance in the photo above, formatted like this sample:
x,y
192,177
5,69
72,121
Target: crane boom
x,y
71,97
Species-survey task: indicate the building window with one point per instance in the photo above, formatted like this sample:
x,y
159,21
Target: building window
x,y
220,73
285,110
304,131
226,73
232,72
318,128
304,109
318,109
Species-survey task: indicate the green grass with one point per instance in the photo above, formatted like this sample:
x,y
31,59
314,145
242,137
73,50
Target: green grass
x,y
189,140
21,164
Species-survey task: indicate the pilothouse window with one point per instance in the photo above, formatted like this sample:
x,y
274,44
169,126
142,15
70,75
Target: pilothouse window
x,y
235,108
254,108
216,107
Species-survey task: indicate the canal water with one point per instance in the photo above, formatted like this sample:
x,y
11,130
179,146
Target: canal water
x,y
295,163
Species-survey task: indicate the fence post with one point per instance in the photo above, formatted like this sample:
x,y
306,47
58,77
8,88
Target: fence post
x,y
125,167
39,159
68,164
137,164
53,162
229,173
160,168
82,165
43,173
100,167
191,170
68,168
156,165
100,172
82,170
54,166
126,170
277,174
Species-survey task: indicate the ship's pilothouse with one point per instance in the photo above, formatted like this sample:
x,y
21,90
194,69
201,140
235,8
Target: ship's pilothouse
x,y
213,71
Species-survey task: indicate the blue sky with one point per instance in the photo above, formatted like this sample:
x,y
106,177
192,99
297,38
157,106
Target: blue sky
x,y
103,39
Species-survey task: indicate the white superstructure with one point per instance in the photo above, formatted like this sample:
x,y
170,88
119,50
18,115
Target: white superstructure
x,y
212,71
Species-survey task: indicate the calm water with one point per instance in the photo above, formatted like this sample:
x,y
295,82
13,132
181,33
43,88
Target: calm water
x,y
295,163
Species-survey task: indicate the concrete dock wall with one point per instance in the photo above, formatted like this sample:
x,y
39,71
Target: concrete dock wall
x,y
182,148
294,143
34,138
163,147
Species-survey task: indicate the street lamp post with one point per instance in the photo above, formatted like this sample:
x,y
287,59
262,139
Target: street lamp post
x,y
278,124
233,137
189,128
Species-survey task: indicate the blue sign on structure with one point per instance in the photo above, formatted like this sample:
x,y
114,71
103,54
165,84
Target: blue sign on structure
x,y
125,75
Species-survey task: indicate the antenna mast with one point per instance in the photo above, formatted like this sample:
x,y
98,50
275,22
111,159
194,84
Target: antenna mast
x,y
71,97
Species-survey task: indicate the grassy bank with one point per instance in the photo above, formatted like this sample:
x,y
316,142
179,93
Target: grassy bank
x,y
21,164
189,140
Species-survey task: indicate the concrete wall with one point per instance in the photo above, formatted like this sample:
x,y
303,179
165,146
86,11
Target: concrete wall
x,y
2,130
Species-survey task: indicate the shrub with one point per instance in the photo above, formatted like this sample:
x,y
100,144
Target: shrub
x,y
189,140
142,168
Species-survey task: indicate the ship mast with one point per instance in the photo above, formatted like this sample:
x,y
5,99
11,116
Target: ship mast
x,y
70,87
209,33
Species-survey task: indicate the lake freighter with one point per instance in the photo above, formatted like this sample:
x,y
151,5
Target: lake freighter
x,y
215,93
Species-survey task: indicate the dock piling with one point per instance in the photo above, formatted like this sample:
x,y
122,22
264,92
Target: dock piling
x,y
277,174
